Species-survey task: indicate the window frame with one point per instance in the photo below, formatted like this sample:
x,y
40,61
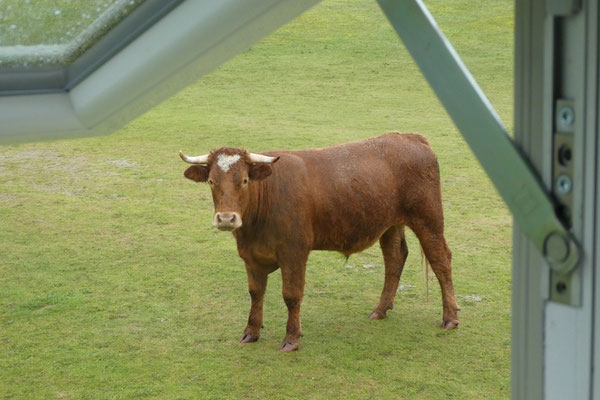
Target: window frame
x,y
183,43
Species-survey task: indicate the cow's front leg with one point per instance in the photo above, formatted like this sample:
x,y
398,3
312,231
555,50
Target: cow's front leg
x,y
257,284
293,275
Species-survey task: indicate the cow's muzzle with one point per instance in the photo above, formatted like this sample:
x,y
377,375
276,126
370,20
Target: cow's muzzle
x,y
227,221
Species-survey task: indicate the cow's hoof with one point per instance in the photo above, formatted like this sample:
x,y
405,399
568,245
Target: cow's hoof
x,y
288,347
447,325
247,338
376,315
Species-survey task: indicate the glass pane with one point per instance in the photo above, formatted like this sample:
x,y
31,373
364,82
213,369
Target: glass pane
x,y
55,32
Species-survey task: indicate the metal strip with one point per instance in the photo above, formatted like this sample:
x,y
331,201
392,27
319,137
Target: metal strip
x,y
481,127
529,279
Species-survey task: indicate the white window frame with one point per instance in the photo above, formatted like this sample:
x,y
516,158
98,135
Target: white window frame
x,y
191,40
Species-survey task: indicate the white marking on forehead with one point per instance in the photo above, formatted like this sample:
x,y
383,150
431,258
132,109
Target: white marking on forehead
x,y
225,162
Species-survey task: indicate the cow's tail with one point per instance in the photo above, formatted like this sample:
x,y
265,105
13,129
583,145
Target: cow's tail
x,y
346,257
426,267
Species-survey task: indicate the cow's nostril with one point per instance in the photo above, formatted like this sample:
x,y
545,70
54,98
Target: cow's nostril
x,y
226,220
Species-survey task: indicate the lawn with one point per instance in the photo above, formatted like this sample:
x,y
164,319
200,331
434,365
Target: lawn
x,y
114,285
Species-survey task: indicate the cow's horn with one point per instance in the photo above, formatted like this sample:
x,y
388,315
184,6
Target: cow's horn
x,y
260,159
194,160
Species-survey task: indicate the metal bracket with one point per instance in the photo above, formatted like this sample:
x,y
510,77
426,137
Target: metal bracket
x,y
562,159
562,284
476,119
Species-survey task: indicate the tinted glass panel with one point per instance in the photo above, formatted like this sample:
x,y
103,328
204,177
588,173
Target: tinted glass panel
x,y
55,32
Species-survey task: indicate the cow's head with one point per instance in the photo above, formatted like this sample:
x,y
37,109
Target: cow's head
x,y
229,172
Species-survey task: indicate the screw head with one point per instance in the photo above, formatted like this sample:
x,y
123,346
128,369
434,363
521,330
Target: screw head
x,y
561,287
566,118
563,184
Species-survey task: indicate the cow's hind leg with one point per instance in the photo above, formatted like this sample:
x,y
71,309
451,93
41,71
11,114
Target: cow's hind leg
x,y
395,251
431,236
257,284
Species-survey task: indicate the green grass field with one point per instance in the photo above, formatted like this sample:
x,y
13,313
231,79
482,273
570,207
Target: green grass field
x,y
114,285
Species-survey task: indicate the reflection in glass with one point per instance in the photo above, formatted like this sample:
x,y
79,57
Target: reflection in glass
x,y
55,32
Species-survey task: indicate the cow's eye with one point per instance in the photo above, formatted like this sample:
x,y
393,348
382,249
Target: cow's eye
x,y
210,182
245,181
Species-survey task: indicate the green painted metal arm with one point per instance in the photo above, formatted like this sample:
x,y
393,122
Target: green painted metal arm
x,y
481,127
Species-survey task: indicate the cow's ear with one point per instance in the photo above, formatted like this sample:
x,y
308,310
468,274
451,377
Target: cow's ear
x,y
259,171
197,173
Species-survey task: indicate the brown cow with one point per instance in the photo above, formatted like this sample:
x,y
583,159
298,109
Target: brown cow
x,y
284,204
